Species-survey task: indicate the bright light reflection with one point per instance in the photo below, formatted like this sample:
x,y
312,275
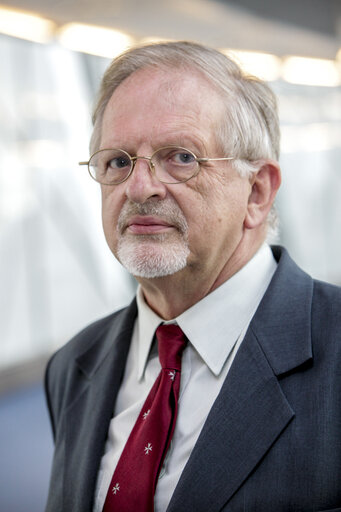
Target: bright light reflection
x,y
263,65
98,41
25,26
309,71
154,40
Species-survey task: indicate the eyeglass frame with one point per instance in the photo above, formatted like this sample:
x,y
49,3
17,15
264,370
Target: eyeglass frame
x,y
151,165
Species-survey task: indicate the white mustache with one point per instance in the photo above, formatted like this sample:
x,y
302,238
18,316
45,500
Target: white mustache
x,y
167,210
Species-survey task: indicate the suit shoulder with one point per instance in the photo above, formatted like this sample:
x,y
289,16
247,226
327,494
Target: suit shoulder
x,y
326,319
61,371
92,333
327,298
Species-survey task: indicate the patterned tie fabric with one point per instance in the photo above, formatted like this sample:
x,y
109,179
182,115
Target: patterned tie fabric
x,y
134,481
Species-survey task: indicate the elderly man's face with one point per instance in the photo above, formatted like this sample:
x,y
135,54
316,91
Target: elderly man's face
x,y
156,229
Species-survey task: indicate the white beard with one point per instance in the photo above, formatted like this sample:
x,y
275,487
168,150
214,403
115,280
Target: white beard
x,y
156,255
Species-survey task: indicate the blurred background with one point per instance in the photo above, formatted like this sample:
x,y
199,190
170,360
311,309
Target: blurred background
x,y
56,273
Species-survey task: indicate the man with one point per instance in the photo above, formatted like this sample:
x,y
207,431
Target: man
x,y
185,148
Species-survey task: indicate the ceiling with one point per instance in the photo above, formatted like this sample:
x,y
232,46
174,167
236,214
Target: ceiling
x,y
305,27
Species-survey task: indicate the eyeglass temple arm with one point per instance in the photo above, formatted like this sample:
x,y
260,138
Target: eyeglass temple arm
x,y
209,159
83,163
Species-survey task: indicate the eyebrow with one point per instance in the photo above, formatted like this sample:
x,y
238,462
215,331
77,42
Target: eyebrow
x,y
179,140
184,141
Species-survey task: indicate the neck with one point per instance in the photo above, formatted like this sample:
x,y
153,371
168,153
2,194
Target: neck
x,y
170,296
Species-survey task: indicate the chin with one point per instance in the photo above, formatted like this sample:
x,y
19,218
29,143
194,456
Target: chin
x,y
153,260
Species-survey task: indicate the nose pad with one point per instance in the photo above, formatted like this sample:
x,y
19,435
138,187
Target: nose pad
x,y
151,165
149,161
143,184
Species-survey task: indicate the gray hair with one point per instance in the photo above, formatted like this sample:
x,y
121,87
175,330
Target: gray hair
x,y
249,127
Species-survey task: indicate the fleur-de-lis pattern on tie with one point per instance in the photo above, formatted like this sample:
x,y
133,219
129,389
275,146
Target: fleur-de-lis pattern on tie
x,y
134,481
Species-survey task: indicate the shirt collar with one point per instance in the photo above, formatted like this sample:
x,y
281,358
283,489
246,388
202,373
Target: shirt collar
x,y
147,323
220,317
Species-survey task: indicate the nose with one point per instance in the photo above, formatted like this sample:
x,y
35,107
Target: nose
x,y
142,184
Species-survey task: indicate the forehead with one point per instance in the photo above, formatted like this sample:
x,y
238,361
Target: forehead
x,y
152,101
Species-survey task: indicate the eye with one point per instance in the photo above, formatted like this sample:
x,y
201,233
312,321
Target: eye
x,y
182,157
119,162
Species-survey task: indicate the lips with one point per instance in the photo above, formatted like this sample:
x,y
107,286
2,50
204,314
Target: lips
x,y
151,217
147,225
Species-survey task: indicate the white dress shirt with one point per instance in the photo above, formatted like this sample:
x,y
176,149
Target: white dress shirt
x,y
215,328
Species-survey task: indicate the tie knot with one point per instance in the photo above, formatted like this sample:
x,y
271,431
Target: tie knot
x,y
171,343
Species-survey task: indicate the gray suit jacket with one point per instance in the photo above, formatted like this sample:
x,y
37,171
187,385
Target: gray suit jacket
x,y
272,440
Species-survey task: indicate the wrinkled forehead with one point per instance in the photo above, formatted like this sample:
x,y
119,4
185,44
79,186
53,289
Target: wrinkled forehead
x,y
161,105
177,88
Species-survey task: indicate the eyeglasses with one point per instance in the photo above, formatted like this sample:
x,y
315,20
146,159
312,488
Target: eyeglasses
x,y
170,164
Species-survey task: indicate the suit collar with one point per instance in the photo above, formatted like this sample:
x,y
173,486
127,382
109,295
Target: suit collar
x,y
282,323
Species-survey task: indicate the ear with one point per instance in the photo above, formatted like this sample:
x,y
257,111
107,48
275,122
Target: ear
x,y
264,185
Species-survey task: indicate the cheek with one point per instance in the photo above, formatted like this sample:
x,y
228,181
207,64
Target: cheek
x,y
110,212
112,201
194,205
232,195
220,203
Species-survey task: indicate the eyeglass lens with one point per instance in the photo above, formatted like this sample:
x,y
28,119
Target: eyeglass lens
x,y
170,165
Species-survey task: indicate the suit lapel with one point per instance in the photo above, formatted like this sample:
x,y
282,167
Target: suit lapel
x,y
102,370
251,411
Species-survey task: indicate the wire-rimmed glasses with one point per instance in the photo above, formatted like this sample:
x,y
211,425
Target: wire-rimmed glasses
x,y
170,164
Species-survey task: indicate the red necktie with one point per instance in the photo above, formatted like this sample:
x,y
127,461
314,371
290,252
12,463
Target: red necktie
x,y
134,481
